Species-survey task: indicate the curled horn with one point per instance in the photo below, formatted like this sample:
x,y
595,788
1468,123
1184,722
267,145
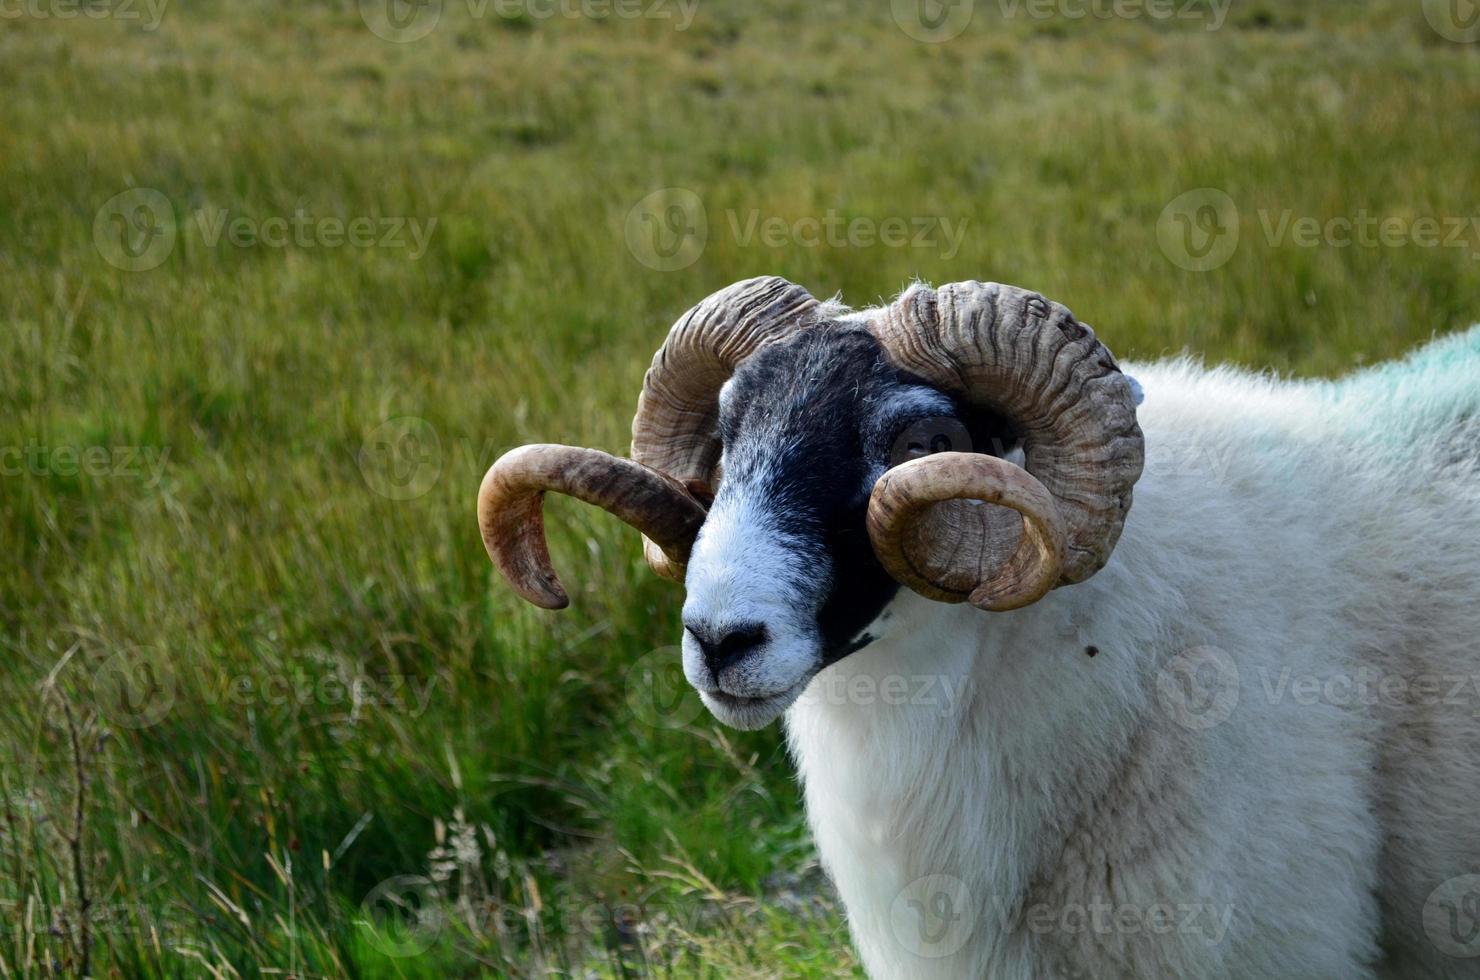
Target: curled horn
x,y
663,490
676,429
1051,522
511,510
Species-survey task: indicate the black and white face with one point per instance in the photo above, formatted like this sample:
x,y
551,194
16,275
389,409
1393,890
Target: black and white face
x,y
782,580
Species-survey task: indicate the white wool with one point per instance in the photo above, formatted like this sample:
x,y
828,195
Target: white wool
x,y
1223,790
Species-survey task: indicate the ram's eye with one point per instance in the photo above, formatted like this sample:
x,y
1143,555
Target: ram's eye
x,y
925,437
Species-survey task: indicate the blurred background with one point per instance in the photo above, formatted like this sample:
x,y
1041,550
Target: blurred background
x,y
280,280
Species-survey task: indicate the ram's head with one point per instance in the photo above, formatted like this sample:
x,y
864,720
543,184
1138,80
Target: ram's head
x,y
794,464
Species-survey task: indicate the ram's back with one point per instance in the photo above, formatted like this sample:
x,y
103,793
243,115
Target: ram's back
x,y
1392,449
1429,400
1332,529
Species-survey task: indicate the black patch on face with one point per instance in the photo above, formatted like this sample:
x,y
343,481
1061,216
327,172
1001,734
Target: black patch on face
x,y
807,424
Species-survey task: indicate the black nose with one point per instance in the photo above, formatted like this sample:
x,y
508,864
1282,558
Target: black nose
x,y
728,645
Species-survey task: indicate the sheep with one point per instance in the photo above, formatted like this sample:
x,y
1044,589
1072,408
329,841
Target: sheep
x,y
1232,733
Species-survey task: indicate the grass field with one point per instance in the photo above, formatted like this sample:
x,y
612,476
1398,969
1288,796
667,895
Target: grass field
x,y
275,290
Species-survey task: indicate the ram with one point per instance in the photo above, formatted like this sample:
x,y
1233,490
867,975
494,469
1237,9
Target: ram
x,y
1224,733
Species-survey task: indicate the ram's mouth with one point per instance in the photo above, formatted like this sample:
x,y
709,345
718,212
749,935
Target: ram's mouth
x,y
745,712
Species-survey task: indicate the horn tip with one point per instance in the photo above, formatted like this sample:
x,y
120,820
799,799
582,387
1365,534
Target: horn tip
x,y
549,594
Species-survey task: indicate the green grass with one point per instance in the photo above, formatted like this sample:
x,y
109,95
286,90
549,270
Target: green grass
x,y
342,695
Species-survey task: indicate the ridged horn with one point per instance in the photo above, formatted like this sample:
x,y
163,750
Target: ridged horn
x,y
511,510
676,428
1010,351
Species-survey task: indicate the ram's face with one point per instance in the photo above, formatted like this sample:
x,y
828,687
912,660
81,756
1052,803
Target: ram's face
x,y
840,475
782,580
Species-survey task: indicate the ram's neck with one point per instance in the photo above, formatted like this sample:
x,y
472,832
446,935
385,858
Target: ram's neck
x,y
958,745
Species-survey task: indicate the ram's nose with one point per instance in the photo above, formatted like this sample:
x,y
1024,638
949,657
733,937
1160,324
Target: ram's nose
x,y
725,645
